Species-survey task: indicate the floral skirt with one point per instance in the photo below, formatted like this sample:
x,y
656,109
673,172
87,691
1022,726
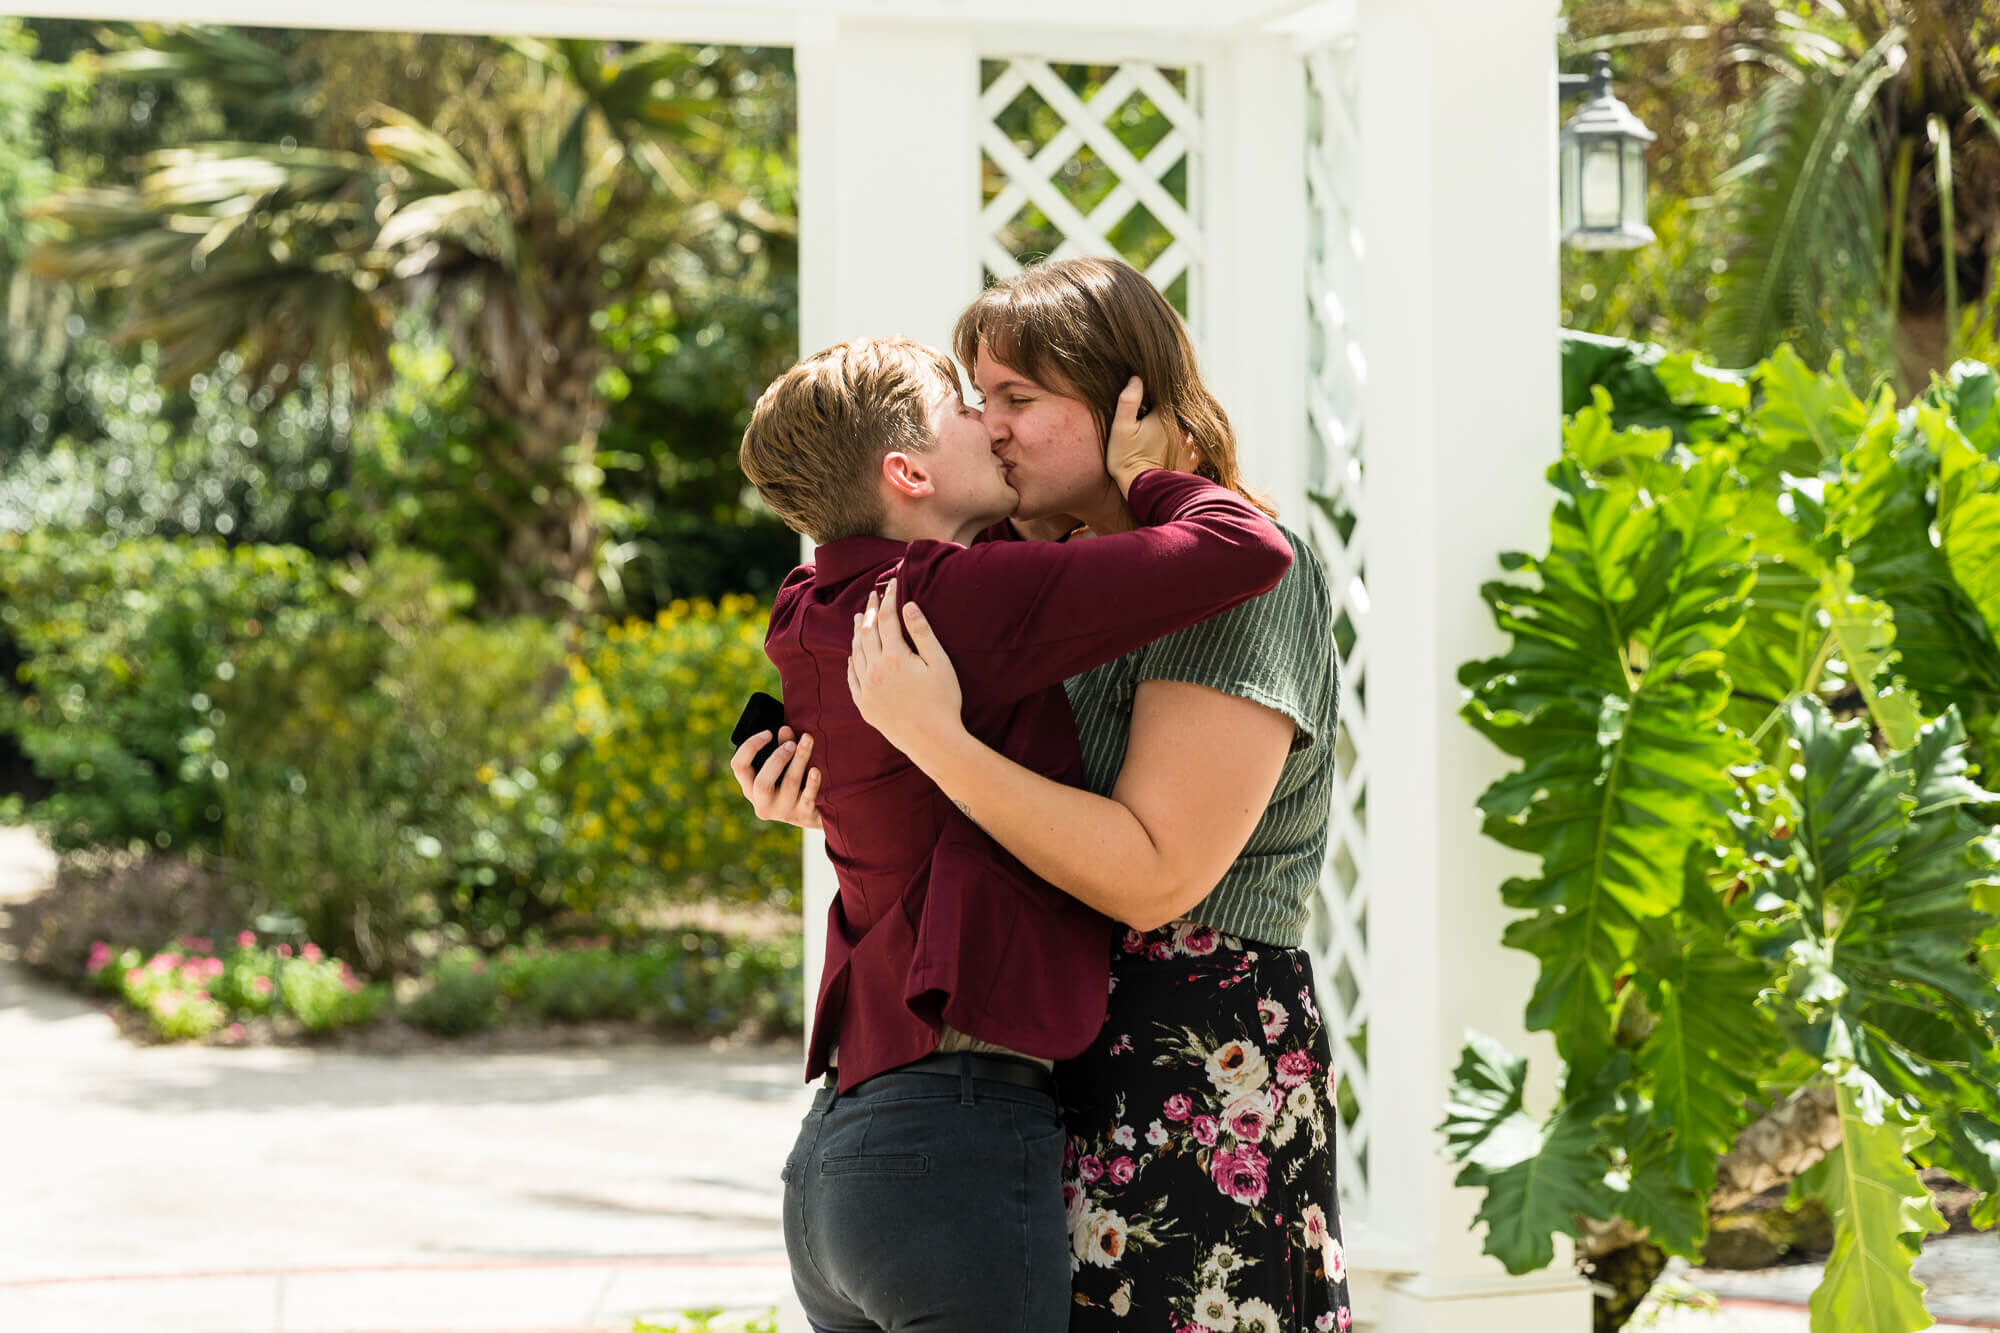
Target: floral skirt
x,y
1199,1176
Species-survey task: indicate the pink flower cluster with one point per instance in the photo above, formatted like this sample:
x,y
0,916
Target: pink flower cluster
x,y
175,986
1243,1174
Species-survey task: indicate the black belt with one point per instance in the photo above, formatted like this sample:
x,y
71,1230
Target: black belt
x,y
1020,1072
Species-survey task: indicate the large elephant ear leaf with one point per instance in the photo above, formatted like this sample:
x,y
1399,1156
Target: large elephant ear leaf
x,y
1538,1178
1968,514
1610,694
1929,1014
1972,394
1853,808
1701,1060
1883,513
1865,631
1881,1211
1807,420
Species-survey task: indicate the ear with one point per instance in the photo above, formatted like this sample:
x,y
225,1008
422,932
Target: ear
x,y
907,476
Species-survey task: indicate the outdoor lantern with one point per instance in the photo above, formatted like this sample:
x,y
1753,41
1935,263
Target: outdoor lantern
x,y
1603,168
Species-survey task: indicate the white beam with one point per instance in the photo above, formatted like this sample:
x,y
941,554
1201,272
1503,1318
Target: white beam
x,y
1457,116
1037,25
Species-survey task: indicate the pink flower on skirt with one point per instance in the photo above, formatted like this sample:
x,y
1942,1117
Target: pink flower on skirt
x,y
1248,1116
1204,1130
1160,951
1178,1107
1294,1068
1090,1168
1134,942
1243,1175
1121,1170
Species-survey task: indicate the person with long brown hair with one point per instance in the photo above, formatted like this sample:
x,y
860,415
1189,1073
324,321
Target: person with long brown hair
x,y
1199,1173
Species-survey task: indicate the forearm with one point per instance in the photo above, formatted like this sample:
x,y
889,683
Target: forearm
x,y
1091,847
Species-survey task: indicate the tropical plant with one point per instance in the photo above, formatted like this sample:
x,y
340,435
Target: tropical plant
x,y
554,181
1750,685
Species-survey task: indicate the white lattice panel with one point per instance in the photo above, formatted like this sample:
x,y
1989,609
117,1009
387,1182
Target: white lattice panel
x,y
1093,159
1335,374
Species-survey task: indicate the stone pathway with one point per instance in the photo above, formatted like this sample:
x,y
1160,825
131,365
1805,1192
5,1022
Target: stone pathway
x,y
186,1189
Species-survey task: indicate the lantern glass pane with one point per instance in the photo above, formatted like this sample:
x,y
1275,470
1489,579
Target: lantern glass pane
x,y
1600,183
1635,184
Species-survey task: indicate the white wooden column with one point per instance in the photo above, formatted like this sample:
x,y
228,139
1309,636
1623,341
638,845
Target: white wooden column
x,y
888,213
1253,339
1457,122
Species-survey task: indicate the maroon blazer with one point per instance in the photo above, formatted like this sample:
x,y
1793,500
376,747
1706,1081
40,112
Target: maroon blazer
x,y
935,923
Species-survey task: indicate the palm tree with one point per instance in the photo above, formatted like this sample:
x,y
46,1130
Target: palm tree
x,y
1865,208
573,177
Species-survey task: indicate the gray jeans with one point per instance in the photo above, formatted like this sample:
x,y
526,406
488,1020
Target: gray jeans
x,y
925,1203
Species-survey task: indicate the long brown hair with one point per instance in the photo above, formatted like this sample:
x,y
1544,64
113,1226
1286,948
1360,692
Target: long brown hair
x,y
1097,323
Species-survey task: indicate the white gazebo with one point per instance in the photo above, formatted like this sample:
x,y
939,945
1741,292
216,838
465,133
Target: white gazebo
x,y
1355,207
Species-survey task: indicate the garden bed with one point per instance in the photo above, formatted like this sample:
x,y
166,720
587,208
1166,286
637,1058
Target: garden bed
x,y
167,945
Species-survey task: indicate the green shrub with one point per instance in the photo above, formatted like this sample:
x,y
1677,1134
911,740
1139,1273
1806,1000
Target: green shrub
x,y
122,650
171,988
101,445
363,745
248,984
324,994
651,806
692,980
460,995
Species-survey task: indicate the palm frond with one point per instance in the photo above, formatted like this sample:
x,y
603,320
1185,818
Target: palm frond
x,y
401,140
473,220
1940,135
1810,247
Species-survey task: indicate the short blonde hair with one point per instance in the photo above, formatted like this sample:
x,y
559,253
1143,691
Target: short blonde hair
x,y
820,431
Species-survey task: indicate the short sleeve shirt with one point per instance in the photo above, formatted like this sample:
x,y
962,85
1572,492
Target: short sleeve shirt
x,y
1276,650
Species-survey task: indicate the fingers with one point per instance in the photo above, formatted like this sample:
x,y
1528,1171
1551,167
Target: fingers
x,y
1153,439
892,641
746,755
806,810
1129,399
795,778
921,634
867,645
765,786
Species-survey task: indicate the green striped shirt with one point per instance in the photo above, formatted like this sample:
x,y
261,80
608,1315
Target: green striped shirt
x,y
1275,650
